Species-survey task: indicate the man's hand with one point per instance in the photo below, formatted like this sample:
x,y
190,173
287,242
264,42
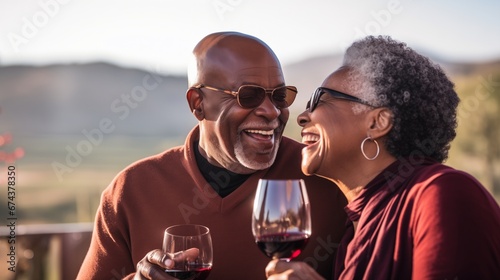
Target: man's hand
x,y
154,264
282,270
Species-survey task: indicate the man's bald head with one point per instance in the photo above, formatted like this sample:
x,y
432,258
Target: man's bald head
x,y
218,56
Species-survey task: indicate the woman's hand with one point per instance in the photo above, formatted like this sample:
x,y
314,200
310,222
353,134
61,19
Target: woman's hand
x,y
282,270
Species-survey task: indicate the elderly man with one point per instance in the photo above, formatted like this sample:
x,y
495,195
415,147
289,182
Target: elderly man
x,y
238,94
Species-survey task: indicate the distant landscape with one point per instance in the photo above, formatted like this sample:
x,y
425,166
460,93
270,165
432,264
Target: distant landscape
x,y
78,125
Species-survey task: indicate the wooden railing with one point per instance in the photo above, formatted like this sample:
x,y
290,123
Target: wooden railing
x,y
46,251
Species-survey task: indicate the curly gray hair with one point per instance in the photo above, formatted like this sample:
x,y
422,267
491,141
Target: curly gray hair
x,y
421,97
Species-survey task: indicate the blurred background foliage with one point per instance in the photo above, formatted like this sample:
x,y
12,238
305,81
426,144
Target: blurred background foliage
x,y
476,148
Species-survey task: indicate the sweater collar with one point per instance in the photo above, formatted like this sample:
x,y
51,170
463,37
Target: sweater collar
x,y
387,182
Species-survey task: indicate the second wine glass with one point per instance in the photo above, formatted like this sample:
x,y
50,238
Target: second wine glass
x,y
281,220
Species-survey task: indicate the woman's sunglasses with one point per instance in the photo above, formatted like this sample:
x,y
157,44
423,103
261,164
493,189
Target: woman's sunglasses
x,y
313,102
250,96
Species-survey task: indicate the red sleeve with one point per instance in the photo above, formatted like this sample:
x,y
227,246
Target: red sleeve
x,y
456,230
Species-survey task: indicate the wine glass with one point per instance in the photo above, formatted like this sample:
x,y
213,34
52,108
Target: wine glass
x,y
190,246
281,220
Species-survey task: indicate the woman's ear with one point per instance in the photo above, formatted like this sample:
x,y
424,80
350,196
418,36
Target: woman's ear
x,y
380,122
195,101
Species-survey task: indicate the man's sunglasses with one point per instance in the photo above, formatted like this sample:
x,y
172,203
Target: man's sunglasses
x,y
250,96
313,102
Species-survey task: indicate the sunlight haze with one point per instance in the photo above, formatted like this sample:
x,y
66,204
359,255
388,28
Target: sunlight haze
x,y
161,34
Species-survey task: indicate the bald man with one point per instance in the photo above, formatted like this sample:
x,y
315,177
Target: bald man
x,y
238,94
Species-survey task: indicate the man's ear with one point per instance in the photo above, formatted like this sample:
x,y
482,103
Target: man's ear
x,y
380,122
195,101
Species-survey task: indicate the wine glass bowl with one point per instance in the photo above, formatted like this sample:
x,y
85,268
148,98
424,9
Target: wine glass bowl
x,y
179,242
281,220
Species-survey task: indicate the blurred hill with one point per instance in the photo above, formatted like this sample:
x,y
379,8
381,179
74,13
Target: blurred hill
x,y
65,99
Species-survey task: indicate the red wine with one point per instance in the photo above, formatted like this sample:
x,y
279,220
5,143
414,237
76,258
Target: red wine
x,y
287,245
192,272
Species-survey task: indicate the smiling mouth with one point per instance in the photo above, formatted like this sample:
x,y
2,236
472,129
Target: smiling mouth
x,y
310,139
260,134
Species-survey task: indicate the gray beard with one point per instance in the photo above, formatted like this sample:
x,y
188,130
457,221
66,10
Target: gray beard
x,y
251,163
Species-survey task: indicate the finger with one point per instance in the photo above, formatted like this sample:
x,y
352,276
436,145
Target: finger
x,y
148,270
303,271
189,255
278,270
286,275
138,275
282,266
192,253
160,258
270,268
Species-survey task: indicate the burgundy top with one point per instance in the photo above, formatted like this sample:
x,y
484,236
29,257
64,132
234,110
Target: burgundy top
x,y
421,221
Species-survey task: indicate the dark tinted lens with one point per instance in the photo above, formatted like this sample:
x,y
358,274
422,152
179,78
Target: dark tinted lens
x,y
313,102
251,96
283,97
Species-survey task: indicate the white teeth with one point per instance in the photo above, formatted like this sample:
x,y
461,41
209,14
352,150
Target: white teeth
x,y
263,132
310,138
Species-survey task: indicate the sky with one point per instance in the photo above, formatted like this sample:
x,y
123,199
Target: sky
x,y
160,34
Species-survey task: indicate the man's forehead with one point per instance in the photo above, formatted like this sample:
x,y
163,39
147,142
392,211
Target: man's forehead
x,y
267,77
260,70
235,58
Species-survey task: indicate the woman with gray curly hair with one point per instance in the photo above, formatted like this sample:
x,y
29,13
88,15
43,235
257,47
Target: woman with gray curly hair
x,y
380,127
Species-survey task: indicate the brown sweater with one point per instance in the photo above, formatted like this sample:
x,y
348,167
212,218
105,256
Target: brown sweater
x,y
167,189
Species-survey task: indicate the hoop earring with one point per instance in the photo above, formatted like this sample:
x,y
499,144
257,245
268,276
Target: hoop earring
x,y
363,148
